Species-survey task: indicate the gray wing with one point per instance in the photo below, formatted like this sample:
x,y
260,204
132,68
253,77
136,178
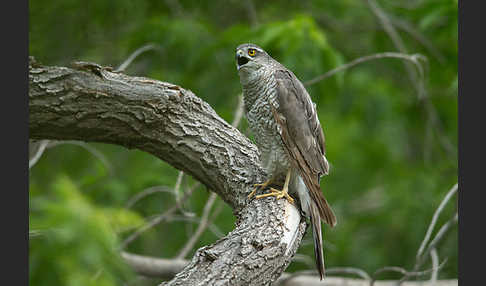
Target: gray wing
x,y
302,136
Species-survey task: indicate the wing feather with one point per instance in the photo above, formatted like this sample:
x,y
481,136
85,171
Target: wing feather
x,y
302,137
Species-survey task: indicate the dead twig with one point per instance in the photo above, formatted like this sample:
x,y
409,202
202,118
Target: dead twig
x,y
418,82
438,237
211,226
407,27
38,154
200,229
349,270
398,42
435,265
402,271
437,212
330,271
158,219
134,55
177,194
95,152
413,58
156,189
238,114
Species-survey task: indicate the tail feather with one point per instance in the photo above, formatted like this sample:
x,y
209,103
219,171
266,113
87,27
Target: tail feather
x,y
316,207
324,210
317,235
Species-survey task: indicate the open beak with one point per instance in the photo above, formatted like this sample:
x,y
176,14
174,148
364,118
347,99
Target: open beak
x,y
241,59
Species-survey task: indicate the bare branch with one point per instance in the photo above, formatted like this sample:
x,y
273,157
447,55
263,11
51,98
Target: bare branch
x,y
407,27
200,229
41,147
398,42
95,152
215,230
156,189
177,194
134,55
437,212
154,267
442,231
349,270
35,233
406,274
412,58
155,221
418,82
166,268
438,237
238,114
330,271
211,226
435,265
178,186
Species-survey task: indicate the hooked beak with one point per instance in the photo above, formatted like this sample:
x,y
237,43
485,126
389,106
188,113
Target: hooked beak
x,y
241,59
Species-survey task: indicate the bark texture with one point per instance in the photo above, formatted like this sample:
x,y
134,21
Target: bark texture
x,y
157,267
90,103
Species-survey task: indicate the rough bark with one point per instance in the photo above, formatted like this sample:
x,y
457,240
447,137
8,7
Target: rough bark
x,y
166,268
91,103
339,281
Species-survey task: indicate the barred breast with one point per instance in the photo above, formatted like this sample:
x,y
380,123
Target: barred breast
x,y
259,95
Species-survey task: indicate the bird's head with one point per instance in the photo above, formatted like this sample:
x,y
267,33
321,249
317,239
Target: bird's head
x,y
250,57
251,61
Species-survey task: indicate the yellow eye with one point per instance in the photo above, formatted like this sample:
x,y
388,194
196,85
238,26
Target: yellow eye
x,y
251,52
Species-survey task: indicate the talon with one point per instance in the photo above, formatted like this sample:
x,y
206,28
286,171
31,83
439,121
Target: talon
x,y
257,186
252,193
283,193
279,194
274,194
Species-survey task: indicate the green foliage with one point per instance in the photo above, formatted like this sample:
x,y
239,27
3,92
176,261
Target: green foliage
x,y
391,164
76,241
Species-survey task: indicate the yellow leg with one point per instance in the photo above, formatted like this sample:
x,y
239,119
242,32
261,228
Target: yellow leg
x,y
280,194
257,186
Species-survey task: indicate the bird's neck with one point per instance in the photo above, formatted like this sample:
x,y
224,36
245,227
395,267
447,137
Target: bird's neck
x,y
256,86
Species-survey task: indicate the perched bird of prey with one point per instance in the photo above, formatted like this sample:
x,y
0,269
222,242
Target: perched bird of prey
x,y
283,120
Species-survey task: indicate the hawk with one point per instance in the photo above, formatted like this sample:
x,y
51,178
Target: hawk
x,y
283,119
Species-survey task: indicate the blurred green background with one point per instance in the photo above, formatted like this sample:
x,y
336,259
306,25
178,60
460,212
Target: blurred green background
x,y
393,154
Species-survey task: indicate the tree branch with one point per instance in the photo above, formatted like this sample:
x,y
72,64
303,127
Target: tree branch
x,y
159,267
90,103
412,58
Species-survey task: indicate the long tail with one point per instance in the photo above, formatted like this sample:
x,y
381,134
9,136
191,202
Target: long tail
x,y
317,235
316,195
313,209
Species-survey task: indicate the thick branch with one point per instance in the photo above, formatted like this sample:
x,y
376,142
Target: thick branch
x,y
90,103
159,267
154,267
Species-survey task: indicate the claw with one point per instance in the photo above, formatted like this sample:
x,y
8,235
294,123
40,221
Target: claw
x,y
279,194
252,193
257,186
